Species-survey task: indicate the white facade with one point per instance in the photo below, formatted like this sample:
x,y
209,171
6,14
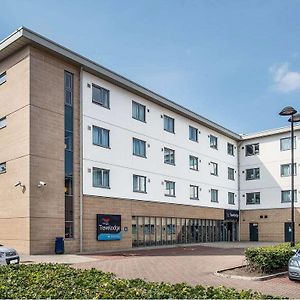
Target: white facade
x,y
270,158
121,162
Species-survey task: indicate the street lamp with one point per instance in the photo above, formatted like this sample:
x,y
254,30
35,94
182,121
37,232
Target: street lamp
x,y
294,117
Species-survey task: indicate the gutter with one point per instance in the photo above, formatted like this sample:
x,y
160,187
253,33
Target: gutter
x,y
81,166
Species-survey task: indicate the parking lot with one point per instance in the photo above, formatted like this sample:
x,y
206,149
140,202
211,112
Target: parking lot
x,y
193,265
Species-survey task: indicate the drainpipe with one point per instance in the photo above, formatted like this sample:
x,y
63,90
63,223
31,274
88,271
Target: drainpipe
x,y
81,164
239,186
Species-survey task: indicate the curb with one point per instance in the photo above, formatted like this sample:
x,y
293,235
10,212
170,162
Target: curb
x,y
219,273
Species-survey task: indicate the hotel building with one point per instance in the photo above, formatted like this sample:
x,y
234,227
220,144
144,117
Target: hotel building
x,y
93,157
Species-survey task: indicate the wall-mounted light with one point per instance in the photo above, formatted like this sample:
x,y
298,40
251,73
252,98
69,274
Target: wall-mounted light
x,y
19,183
41,184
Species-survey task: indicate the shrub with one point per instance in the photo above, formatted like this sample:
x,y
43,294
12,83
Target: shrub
x,y
269,259
63,282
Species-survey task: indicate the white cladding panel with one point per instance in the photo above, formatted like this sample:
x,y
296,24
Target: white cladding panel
x,y
123,164
271,183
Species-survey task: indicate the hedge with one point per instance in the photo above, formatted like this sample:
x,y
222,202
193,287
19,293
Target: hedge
x,y
269,259
63,282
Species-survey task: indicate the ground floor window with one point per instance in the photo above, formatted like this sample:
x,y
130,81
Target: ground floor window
x,y
156,231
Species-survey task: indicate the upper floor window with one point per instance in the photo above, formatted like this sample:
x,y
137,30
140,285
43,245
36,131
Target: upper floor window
x,y
138,111
286,196
169,124
139,147
68,89
285,143
252,149
139,184
214,195
100,178
230,149
230,198
169,156
2,78
2,168
214,168
2,122
100,96
193,134
213,140
194,163
231,173
194,192
253,198
286,170
100,136
252,174
169,188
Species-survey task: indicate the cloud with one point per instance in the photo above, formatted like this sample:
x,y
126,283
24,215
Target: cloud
x,y
285,81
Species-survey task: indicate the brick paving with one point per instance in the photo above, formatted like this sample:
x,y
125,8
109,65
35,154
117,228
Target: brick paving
x,y
193,265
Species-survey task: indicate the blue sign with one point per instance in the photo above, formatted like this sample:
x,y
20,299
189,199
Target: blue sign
x,y
108,227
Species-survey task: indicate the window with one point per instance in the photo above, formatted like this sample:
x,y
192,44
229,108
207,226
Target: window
x,y
169,156
285,144
2,168
213,140
68,140
100,137
169,124
194,163
68,89
139,184
138,111
100,96
214,168
230,149
193,132
100,178
286,170
139,147
230,198
2,78
2,122
252,149
253,198
169,188
252,174
194,192
286,196
214,195
231,173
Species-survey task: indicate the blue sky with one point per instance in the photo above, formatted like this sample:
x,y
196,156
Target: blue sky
x,y
234,62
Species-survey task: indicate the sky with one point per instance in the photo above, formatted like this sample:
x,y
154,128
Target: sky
x,y
236,63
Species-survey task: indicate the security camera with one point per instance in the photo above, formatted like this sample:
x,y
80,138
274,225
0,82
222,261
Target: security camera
x,y
41,183
18,183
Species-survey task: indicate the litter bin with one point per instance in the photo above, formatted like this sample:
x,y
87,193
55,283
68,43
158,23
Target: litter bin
x,y
59,245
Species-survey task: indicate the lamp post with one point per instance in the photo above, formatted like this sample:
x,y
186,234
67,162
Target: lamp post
x,y
294,117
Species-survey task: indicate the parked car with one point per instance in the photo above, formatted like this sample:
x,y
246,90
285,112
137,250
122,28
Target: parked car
x,y
294,266
8,256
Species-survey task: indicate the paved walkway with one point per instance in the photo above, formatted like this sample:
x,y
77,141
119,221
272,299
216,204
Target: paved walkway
x,y
193,265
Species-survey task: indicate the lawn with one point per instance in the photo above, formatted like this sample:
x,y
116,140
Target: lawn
x,y
63,282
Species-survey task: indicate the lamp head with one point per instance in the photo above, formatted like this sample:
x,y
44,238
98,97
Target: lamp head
x,y
295,118
288,111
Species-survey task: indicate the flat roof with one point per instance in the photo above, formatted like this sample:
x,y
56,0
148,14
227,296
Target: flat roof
x,y
24,36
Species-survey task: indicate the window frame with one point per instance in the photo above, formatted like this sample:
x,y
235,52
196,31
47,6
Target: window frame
x,y
3,77
255,152
107,171
174,188
166,117
290,170
144,143
4,124
290,195
139,105
228,198
138,177
216,193
213,145
102,130
254,194
229,145
3,170
229,170
171,151
197,160
195,195
214,164
254,174
97,102
191,129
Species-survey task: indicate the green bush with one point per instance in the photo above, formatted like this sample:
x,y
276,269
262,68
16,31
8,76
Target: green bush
x,y
63,282
271,258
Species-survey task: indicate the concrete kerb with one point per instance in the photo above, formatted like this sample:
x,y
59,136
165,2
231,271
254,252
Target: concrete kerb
x,y
220,273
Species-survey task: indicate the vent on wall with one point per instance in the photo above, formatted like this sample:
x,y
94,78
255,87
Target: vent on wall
x,y
88,85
